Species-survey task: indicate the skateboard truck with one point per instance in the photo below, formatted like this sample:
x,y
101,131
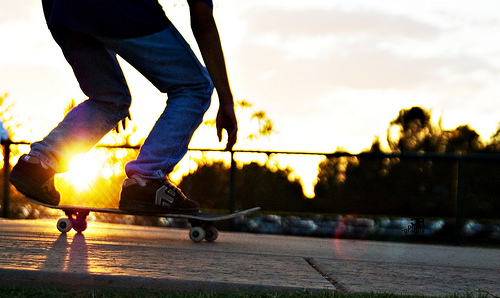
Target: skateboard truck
x,y
77,220
202,230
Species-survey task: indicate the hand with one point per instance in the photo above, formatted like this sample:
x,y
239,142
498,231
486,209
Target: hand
x,y
226,119
207,36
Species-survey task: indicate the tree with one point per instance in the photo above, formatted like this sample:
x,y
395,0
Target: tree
x,y
412,131
494,145
259,124
463,139
208,185
256,185
6,117
396,186
423,185
329,188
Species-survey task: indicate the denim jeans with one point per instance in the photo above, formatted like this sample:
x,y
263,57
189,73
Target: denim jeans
x,y
167,61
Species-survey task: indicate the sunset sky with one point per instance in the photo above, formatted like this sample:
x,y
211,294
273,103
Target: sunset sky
x,y
329,73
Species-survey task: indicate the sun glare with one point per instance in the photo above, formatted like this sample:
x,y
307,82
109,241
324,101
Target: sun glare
x,y
83,170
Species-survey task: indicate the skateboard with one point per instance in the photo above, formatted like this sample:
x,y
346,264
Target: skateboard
x,y
201,223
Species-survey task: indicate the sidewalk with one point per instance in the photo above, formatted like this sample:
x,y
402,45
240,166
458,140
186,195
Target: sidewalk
x,y
107,256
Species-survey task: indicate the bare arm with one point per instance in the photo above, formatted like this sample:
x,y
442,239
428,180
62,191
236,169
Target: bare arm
x,y
207,36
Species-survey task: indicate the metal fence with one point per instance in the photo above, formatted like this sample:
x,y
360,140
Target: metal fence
x,y
101,186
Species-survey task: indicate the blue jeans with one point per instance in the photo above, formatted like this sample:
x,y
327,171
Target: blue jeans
x,y
167,61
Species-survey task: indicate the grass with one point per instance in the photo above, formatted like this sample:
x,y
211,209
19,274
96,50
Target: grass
x,y
20,292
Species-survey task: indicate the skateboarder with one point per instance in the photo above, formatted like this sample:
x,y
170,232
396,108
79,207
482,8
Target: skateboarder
x,y
90,34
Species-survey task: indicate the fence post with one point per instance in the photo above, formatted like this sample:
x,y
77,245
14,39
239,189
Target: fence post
x,y
459,196
6,184
232,190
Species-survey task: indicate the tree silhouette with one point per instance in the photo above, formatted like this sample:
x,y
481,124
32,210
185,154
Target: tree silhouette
x,y
413,186
463,139
494,144
6,115
256,185
264,126
412,131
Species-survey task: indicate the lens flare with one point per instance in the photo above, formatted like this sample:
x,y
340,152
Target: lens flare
x,y
83,171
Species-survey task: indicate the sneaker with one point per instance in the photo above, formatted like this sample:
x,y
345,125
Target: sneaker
x,y
35,181
156,197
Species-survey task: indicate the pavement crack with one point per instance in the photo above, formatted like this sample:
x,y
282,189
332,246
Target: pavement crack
x,y
339,287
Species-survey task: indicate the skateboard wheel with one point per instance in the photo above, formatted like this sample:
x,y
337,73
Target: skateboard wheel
x,y
197,234
64,225
211,233
79,225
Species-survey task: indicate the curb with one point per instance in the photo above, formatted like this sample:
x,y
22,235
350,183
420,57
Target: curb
x,y
86,281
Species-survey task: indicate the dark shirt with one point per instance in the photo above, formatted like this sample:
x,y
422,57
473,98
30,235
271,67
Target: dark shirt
x,y
108,18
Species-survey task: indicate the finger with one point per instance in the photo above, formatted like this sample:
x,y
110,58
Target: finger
x,y
219,134
230,144
232,138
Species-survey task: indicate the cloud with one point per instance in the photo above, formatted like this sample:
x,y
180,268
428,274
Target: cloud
x,y
328,63
327,49
318,66
338,22
19,10
392,46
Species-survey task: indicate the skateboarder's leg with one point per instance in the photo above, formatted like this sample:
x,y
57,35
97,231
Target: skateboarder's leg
x,y
168,62
101,79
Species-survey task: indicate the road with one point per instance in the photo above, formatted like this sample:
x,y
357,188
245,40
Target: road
x,y
111,255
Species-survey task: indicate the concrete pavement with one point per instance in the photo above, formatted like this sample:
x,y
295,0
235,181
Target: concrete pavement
x,y
108,255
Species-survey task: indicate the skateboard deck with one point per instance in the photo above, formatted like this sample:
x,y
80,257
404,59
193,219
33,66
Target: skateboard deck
x,y
201,223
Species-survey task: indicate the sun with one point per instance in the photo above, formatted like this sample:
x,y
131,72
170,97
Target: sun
x,y
83,170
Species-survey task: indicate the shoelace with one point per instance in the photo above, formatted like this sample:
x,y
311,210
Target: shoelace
x,y
165,181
